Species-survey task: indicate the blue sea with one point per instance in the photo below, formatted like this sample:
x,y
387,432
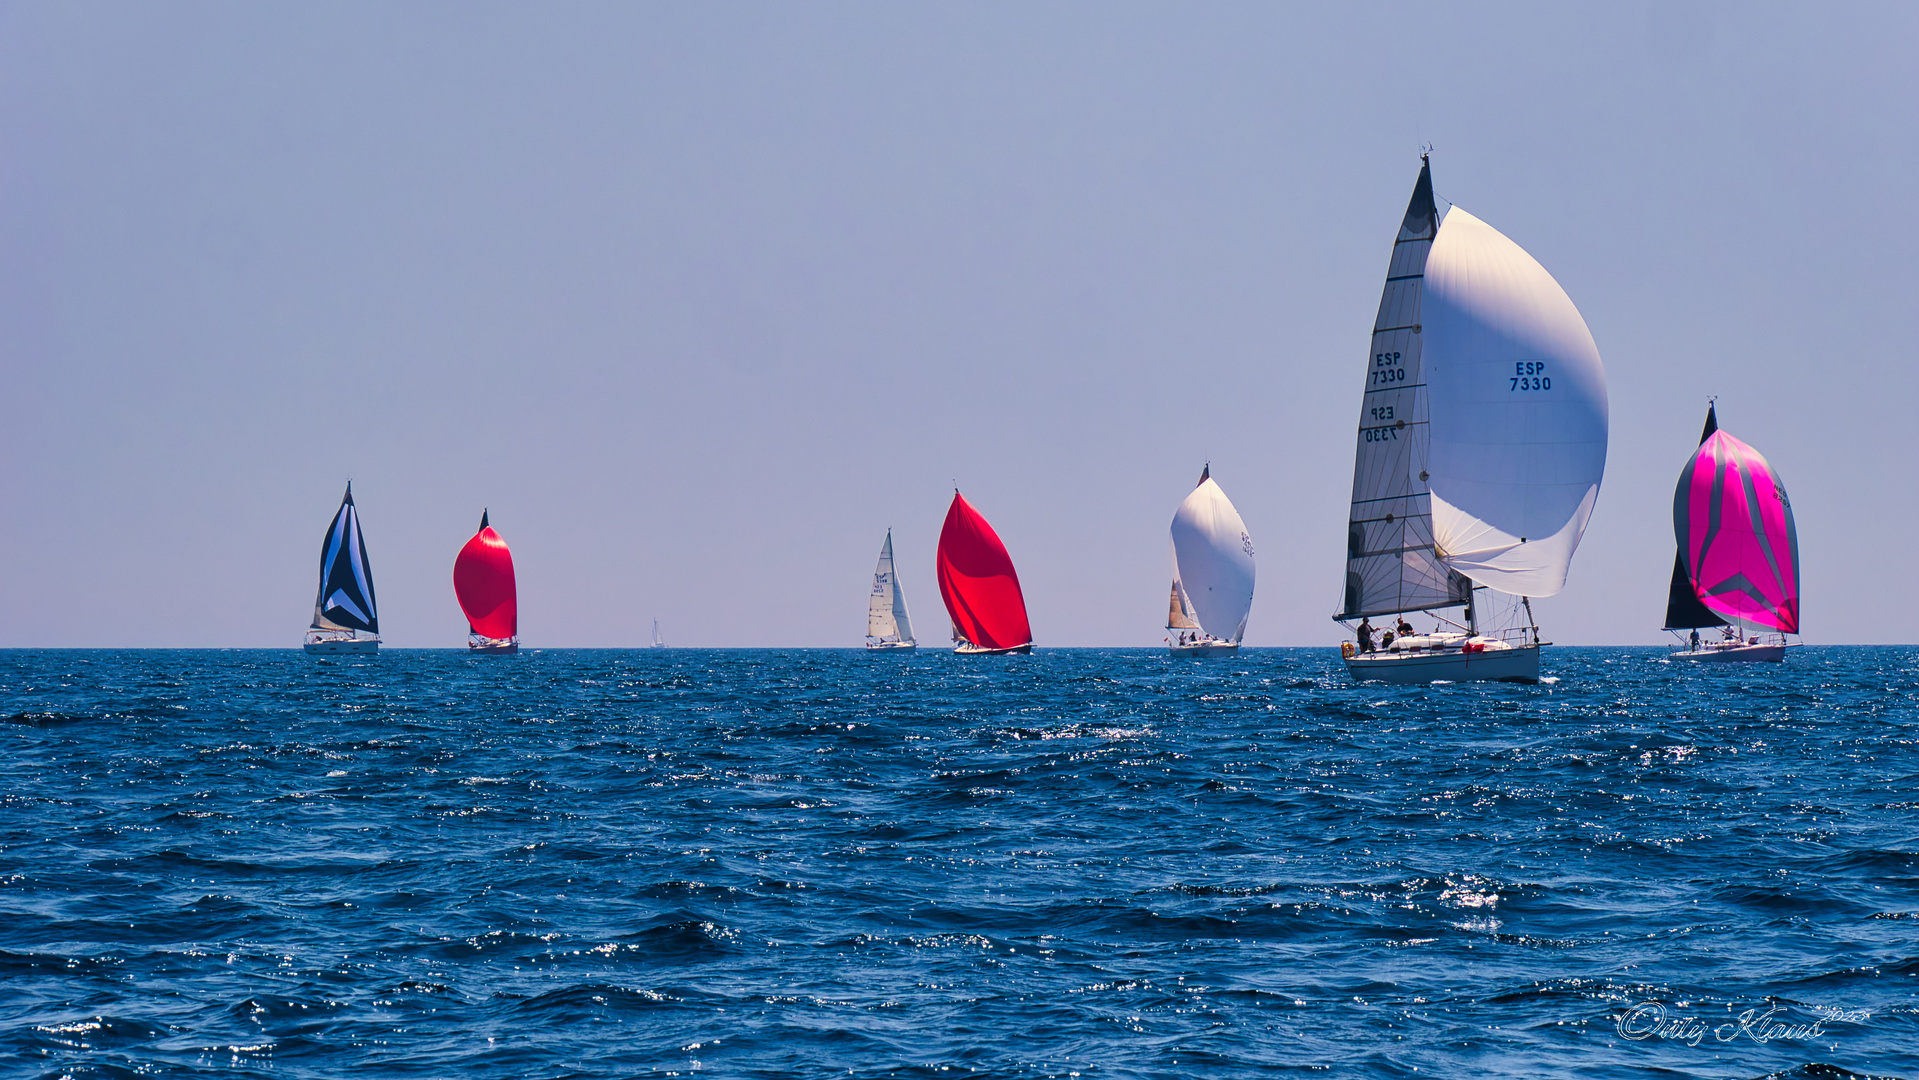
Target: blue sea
x,y
1081,863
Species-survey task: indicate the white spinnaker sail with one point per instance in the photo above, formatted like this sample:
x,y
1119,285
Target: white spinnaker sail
x,y
1517,399
1213,556
886,618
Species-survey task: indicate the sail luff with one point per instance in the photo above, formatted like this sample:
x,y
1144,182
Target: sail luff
x,y
1391,561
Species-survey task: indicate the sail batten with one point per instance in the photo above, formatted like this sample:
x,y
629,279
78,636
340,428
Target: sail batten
x,y
345,598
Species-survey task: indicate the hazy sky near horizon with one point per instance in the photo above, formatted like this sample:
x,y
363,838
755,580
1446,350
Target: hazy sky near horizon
x,y
700,299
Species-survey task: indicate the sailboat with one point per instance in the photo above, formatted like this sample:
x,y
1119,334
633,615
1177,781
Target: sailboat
x,y
344,609
1482,442
979,585
888,629
1212,573
1737,563
658,641
483,581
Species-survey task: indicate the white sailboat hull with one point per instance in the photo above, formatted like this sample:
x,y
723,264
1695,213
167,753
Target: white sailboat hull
x,y
891,646
1205,648
1518,664
340,647
967,648
1733,654
493,646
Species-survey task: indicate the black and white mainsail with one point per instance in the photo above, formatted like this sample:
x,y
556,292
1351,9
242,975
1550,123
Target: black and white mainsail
x,y
1391,561
345,601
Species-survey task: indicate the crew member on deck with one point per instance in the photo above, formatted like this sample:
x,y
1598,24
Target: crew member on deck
x,y
1695,639
1365,635
1405,628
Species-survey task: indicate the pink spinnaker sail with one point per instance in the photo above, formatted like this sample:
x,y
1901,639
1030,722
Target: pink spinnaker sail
x,y
1734,526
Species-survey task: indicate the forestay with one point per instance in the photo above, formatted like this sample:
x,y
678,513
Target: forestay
x,y
345,600
1391,564
1734,526
1517,396
1213,561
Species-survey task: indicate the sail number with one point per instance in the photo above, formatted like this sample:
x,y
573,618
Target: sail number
x,y
1386,369
1529,375
1381,434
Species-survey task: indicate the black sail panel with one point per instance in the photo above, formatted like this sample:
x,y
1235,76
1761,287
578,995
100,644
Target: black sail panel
x,y
1683,609
345,600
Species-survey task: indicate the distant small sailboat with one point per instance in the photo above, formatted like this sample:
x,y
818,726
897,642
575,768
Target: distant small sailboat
x,y
658,641
888,628
979,586
344,609
1737,563
1212,573
483,581
1482,442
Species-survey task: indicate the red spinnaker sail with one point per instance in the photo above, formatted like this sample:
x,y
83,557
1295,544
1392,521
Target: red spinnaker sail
x,y
978,583
483,580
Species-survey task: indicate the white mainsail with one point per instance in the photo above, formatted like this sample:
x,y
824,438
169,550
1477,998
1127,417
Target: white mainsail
x,y
1212,562
886,618
1517,397
1391,561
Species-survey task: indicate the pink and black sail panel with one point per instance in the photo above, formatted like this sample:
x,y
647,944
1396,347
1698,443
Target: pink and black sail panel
x,y
483,580
1734,526
978,583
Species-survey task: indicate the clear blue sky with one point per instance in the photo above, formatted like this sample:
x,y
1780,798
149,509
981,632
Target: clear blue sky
x,y
699,299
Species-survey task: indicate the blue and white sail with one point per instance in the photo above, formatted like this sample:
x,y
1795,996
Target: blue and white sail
x,y
345,601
